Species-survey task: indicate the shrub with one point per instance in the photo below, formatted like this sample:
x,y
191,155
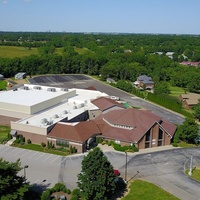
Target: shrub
x,y
21,143
76,194
43,144
72,149
29,141
17,141
99,140
174,144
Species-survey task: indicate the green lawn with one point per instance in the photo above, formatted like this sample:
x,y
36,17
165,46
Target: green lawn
x,y
37,147
176,91
4,130
147,191
82,50
195,173
13,51
3,85
186,145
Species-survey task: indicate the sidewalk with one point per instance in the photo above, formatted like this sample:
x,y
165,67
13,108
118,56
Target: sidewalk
x,y
141,151
171,188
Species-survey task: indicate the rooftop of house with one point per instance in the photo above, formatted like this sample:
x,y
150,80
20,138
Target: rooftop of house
x,y
191,98
145,79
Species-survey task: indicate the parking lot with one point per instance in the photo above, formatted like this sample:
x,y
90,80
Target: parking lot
x,y
83,82
47,169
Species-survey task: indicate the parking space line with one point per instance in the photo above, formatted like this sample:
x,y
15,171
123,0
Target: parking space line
x,y
6,148
34,154
11,151
47,158
62,161
25,153
19,151
40,156
54,159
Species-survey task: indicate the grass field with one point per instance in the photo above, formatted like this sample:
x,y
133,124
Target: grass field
x,y
12,51
15,51
176,91
4,130
147,191
3,85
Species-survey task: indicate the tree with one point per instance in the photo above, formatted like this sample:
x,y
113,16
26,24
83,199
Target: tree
x,y
188,131
12,186
197,111
162,88
96,180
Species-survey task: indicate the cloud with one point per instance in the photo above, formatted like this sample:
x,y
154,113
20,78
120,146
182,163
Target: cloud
x,y
4,1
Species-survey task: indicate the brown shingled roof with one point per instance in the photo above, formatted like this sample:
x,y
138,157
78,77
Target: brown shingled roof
x,y
104,103
78,133
140,120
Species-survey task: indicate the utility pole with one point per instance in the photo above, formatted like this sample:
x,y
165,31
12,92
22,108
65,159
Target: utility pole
x,y
126,166
191,161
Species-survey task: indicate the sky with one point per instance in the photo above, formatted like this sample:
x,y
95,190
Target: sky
x,y
110,16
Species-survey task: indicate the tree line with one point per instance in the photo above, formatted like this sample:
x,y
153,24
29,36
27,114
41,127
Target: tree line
x,y
106,54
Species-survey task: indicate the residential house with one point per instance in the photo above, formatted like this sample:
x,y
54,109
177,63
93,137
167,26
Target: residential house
x,y
187,63
144,81
189,100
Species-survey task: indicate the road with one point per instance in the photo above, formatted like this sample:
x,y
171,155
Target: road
x,y
83,81
165,168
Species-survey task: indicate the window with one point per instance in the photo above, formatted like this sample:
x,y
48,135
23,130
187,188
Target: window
x,y
160,134
148,136
63,143
160,137
147,140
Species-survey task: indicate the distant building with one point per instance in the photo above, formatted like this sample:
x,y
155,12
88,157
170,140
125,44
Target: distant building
x,y
187,63
170,54
189,100
110,80
1,77
127,51
144,81
20,75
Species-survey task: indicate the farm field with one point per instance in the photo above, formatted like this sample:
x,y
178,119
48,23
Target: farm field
x,y
12,51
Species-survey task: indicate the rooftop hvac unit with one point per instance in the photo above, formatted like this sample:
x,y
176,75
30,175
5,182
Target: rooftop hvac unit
x,y
26,88
63,89
81,105
75,107
55,116
44,121
51,89
65,112
37,88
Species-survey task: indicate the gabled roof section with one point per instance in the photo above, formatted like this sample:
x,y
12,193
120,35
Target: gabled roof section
x,y
140,120
131,117
105,103
169,127
80,132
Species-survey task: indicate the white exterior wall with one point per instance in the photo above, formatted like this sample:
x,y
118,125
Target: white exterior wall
x,y
51,102
28,128
15,108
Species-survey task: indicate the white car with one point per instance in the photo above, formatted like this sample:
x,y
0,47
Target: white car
x,y
114,98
